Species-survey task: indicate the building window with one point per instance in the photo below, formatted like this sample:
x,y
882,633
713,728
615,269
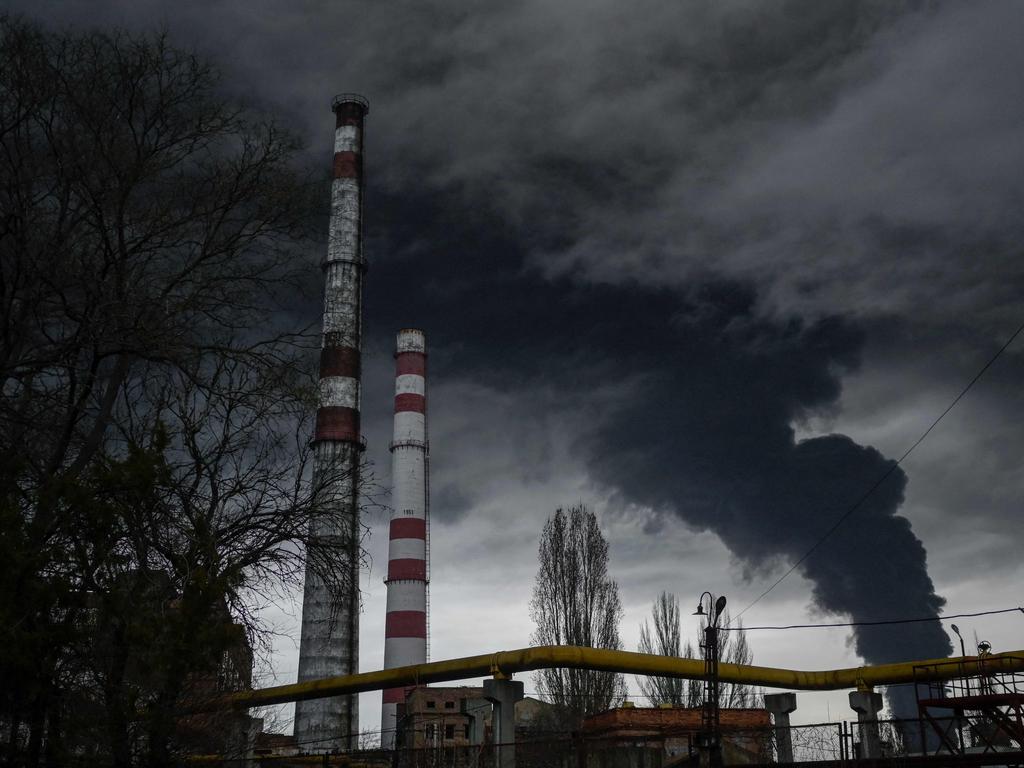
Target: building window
x,y
431,705
449,705
449,731
465,731
428,731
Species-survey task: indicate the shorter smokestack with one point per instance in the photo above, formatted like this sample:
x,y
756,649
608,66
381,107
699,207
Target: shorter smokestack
x,y
405,632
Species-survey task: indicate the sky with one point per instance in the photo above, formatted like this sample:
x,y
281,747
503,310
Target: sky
x,y
708,268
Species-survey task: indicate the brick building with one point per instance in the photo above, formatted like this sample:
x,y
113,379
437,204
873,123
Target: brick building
x,y
664,736
454,717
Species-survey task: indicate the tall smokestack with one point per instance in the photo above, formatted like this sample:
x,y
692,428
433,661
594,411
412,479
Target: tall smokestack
x,y
330,624
405,630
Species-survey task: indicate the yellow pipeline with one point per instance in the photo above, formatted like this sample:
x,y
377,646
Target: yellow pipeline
x,y
505,663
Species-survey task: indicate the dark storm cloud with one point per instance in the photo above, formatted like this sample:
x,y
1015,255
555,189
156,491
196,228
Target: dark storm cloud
x,y
449,502
856,157
965,481
705,429
713,208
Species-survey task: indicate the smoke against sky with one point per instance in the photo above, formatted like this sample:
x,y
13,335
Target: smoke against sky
x,y
667,254
854,157
693,397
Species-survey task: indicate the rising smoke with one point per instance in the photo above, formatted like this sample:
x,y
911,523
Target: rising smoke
x,y
706,432
861,155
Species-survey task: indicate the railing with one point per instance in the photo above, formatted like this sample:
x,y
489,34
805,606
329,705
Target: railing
x,y
969,677
343,98
821,745
818,745
977,709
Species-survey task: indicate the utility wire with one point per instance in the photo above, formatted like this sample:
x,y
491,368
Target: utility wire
x,y
878,623
886,474
441,715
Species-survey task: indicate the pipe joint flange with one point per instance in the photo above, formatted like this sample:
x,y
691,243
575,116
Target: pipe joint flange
x,y
496,672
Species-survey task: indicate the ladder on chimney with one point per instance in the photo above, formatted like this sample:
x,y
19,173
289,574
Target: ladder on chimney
x,y
426,515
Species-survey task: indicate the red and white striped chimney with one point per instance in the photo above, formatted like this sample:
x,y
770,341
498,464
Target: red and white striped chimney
x,y
330,627
405,632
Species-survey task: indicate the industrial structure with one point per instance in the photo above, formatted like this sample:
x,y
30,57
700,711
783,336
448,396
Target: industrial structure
x,y
501,665
330,608
970,709
405,632
667,734
462,716
984,693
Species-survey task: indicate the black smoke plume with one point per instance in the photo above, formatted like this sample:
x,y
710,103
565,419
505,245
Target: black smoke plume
x,y
707,431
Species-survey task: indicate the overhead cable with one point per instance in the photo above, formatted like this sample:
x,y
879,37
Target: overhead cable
x,y
892,468
876,623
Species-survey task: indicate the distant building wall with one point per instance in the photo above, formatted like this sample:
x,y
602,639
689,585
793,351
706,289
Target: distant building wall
x,y
433,717
617,737
441,717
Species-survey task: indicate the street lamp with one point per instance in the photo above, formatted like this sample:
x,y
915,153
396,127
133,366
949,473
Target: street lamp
x,y
960,665
984,682
715,607
964,685
710,736
956,631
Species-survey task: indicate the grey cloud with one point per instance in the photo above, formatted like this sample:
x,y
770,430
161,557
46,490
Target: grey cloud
x,y
541,171
965,482
852,157
449,502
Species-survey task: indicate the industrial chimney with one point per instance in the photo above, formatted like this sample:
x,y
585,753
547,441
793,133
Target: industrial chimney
x,y
405,629
330,627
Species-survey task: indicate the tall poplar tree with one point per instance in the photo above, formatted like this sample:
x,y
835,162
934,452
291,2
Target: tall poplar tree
x,y
575,602
665,640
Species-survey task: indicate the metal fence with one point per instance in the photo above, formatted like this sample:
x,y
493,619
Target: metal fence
x,y
831,743
819,744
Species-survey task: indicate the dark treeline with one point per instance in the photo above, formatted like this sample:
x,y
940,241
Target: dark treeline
x,y
153,446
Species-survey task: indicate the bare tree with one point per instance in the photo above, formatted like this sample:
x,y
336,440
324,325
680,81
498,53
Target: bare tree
x,y
227,501
734,649
576,603
665,641
154,482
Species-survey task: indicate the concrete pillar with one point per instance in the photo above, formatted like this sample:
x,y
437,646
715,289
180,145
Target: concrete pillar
x,y
504,694
867,705
781,705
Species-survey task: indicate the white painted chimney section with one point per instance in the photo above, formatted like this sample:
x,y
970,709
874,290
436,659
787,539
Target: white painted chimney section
x,y
329,644
405,633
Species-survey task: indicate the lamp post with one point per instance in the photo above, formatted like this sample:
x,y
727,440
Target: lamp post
x,y
984,651
956,631
965,688
710,739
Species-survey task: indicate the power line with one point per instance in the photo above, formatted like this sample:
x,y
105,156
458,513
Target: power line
x,y
878,623
887,473
441,715
1020,609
